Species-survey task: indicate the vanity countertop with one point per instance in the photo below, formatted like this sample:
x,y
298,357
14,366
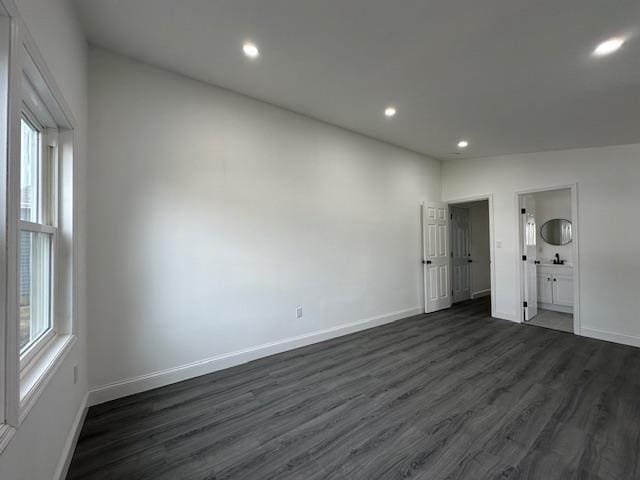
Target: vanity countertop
x,y
555,265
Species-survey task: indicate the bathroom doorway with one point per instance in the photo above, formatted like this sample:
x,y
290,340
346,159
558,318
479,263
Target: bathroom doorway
x,y
548,241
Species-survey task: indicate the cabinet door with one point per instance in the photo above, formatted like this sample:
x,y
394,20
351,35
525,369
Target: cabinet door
x,y
563,290
545,294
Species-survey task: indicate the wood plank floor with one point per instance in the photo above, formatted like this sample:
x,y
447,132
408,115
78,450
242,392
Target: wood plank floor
x,y
450,395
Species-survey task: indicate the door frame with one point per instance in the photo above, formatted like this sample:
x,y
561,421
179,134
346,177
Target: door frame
x,y
574,247
492,258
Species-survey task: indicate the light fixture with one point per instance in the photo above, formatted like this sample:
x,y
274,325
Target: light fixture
x,y
390,111
250,50
463,144
608,47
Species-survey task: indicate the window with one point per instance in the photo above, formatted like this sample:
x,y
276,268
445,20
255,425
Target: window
x,y
37,262
37,237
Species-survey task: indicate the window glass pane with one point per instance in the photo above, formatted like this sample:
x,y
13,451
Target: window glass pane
x,y
29,172
35,287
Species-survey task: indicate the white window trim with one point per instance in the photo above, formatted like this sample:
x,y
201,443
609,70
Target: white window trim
x,y
6,434
41,369
24,386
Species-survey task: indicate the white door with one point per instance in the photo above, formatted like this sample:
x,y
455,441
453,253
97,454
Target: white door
x,y
435,234
460,254
563,290
530,287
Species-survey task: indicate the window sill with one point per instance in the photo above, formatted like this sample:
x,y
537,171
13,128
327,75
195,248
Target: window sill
x,y
37,374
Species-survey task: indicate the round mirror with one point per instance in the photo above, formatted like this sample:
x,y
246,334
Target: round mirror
x,y
557,232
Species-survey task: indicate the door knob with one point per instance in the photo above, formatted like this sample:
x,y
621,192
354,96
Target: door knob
x,y
428,262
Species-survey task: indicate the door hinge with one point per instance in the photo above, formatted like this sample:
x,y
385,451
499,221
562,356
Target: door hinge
x,y
451,216
523,211
525,304
524,258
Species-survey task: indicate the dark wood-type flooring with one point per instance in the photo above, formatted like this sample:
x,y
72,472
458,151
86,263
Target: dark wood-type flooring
x,y
450,395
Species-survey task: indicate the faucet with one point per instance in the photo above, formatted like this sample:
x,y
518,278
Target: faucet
x,y
557,261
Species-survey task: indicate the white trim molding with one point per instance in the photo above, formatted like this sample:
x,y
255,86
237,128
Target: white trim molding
x,y
130,386
37,377
507,316
610,336
481,293
72,440
6,434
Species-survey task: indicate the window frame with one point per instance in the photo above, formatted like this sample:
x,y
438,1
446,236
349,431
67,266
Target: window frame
x,y
26,80
47,180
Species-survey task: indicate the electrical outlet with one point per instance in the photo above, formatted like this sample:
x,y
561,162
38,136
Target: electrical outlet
x,y
75,374
299,312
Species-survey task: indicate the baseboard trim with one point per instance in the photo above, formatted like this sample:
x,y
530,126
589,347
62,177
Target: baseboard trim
x,y
122,388
610,336
481,293
555,308
507,316
72,440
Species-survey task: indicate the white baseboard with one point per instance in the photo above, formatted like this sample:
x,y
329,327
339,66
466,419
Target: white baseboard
x,y
72,440
122,388
555,308
610,336
507,316
481,293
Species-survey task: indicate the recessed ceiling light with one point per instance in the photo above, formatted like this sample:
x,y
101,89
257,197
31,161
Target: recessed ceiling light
x,y
250,50
463,144
608,47
390,111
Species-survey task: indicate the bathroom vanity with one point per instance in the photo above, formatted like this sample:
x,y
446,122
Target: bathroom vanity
x,y
555,287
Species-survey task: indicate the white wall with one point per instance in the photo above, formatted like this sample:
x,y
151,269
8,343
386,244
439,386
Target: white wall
x,y
36,449
480,251
549,205
608,191
212,216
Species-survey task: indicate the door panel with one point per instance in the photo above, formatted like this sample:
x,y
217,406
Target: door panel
x,y
461,253
544,288
528,249
563,290
432,240
435,223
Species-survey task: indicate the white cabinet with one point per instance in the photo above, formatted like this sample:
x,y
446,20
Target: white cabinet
x,y
563,290
545,288
555,287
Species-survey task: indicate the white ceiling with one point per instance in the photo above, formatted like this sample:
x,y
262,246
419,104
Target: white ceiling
x,y
511,76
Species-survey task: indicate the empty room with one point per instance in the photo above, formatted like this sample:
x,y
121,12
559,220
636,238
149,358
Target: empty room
x,y
284,239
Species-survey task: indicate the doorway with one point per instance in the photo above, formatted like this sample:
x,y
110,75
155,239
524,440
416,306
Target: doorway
x,y
470,250
547,233
439,282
